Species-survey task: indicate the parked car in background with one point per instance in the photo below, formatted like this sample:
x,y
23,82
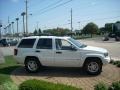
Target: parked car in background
x,y
38,51
8,42
12,42
3,42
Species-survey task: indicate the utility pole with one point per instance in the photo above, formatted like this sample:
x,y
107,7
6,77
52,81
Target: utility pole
x,y
23,14
26,3
71,23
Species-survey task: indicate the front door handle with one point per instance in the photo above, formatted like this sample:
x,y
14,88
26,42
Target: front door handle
x,y
58,52
37,51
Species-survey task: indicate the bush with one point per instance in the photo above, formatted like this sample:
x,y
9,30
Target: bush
x,y
43,85
115,86
112,61
100,86
118,65
116,62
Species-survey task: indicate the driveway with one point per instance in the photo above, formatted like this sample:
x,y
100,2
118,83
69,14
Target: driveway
x,y
69,76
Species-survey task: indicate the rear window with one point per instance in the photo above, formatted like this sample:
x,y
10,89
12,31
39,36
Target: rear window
x,y
44,44
26,43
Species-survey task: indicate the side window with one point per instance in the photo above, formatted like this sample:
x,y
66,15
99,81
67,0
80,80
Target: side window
x,y
44,43
26,43
62,44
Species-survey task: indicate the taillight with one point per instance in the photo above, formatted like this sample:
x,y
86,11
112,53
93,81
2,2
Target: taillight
x,y
15,51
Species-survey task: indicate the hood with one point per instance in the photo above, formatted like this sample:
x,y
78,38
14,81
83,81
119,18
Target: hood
x,y
97,49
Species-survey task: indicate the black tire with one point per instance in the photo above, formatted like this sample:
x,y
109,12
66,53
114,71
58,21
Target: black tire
x,y
35,61
98,67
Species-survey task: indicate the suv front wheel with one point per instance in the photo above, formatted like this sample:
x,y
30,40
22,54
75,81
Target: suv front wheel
x,y
93,67
32,65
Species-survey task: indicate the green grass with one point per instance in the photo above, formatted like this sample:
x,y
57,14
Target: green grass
x,y
5,71
43,85
7,68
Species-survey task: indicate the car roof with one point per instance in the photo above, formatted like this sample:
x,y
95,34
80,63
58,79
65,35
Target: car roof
x,y
56,37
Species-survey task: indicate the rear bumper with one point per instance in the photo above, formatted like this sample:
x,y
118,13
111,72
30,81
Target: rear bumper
x,y
19,59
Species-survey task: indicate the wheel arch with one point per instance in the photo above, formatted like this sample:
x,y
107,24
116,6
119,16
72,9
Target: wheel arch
x,y
92,58
27,57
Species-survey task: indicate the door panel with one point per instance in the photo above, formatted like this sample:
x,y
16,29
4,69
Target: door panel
x,y
46,57
64,55
44,51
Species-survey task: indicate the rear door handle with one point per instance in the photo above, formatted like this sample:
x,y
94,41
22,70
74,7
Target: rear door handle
x,y
58,52
37,51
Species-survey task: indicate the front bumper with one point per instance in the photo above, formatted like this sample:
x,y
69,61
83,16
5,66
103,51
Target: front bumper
x,y
106,60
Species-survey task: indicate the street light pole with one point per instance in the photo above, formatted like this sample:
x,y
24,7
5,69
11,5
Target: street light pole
x,y
23,14
17,24
13,27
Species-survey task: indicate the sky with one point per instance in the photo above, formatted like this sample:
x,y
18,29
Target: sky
x,y
46,14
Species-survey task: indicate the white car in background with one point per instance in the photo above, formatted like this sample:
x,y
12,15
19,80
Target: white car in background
x,y
37,51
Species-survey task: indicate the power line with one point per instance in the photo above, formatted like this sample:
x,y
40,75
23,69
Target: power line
x,y
50,5
59,5
34,4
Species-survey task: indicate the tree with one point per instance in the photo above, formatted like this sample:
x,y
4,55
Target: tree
x,y
39,32
118,22
57,31
102,30
90,28
108,27
35,32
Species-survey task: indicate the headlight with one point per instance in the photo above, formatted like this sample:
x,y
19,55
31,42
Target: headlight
x,y
105,54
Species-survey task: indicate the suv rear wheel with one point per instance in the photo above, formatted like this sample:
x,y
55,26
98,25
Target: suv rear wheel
x,y
32,65
93,67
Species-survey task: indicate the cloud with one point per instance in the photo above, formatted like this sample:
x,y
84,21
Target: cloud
x,y
15,1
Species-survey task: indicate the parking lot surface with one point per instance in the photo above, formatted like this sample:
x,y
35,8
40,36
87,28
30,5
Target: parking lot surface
x,y
69,76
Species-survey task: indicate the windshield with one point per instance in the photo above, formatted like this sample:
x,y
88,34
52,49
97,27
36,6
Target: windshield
x,y
77,43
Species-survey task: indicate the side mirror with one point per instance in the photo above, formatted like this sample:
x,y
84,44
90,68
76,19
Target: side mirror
x,y
73,48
